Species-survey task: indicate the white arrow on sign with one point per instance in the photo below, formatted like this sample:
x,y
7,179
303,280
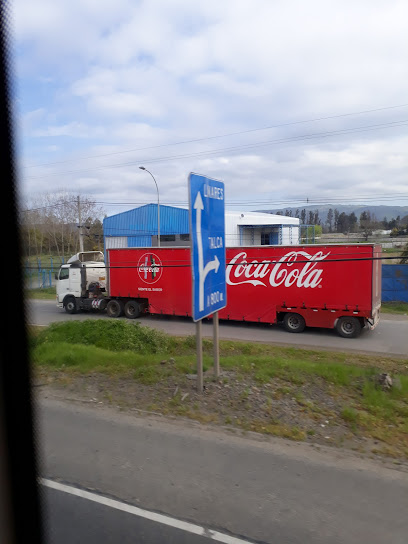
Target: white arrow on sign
x,y
211,265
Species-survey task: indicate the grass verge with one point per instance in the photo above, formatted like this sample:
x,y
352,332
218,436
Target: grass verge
x,y
399,308
44,293
299,394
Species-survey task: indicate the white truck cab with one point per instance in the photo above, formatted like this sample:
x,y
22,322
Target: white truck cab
x,y
81,283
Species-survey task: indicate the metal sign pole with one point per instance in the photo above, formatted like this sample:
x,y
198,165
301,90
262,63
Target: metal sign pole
x,y
206,198
199,340
216,345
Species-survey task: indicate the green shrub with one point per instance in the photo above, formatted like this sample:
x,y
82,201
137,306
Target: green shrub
x,y
114,335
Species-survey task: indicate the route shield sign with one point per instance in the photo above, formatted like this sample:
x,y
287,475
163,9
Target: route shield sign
x,y
207,234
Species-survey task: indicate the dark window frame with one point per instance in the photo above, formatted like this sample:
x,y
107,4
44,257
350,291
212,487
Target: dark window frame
x,y
64,274
167,238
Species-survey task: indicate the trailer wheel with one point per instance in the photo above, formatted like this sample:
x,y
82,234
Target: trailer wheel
x,y
132,309
114,308
348,327
70,305
294,322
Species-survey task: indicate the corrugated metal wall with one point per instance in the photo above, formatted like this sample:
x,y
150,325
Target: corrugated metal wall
x,y
115,242
394,282
138,228
143,222
139,241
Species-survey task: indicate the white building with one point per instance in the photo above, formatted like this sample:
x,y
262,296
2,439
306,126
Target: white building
x,y
139,228
255,229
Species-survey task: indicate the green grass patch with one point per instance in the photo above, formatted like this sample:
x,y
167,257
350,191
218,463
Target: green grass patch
x,y
112,335
126,350
297,370
387,405
65,355
349,414
45,261
400,308
262,362
45,293
77,358
393,250
275,429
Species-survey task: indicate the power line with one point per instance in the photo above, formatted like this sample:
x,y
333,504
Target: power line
x,y
281,125
317,200
276,204
276,142
281,203
229,264
368,128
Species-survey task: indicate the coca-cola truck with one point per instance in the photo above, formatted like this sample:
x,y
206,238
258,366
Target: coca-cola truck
x,y
329,286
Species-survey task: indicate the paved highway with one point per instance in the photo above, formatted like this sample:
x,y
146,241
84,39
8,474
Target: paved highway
x,y
263,490
390,336
73,518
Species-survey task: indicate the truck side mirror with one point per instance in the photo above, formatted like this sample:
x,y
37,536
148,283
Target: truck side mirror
x,y
56,275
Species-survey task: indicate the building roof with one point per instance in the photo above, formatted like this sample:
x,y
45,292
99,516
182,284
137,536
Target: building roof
x,y
143,221
174,220
259,218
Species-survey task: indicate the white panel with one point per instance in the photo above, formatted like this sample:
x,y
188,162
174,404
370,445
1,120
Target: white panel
x,y
115,242
232,238
286,240
257,218
257,237
250,236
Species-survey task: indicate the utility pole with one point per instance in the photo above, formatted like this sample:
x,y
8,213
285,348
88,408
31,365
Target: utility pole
x,y
81,239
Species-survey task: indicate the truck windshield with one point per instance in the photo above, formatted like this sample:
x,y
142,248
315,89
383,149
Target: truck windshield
x,y
64,274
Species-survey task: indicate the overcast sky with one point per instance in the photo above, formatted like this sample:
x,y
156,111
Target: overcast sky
x,y
105,86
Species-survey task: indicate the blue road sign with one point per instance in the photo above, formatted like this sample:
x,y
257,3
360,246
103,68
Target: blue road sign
x,y
207,234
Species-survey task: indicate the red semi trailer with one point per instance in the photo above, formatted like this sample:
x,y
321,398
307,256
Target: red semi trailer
x,y
336,286
330,286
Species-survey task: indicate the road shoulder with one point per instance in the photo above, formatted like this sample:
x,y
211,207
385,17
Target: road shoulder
x,y
315,453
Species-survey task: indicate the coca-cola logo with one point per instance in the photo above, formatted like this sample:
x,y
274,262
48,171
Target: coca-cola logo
x,y
149,268
305,274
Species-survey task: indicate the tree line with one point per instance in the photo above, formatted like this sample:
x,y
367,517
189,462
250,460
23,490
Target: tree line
x,y
341,222
52,224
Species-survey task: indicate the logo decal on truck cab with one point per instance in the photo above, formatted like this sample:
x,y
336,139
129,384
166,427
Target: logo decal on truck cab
x,y
277,273
149,268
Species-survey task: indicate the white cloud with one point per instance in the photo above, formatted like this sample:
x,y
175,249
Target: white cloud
x,y
224,84
74,130
136,74
31,118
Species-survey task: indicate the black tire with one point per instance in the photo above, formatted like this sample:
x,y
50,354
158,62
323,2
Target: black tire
x,y
294,322
70,305
114,308
348,327
132,309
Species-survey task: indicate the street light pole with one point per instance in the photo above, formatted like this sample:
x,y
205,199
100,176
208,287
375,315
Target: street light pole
x,y
81,236
158,204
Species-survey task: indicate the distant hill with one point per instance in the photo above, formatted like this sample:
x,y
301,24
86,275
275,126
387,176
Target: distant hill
x,y
390,212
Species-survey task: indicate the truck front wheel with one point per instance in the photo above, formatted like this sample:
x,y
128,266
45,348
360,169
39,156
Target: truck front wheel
x,y
114,308
348,327
70,305
294,322
132,309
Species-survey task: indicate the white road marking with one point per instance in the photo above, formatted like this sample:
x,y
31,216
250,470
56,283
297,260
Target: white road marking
x,y
158,518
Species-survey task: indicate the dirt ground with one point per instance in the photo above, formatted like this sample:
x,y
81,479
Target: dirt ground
x,y
305,412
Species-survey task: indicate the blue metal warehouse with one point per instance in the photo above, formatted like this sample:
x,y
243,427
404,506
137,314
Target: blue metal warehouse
x,y
139,228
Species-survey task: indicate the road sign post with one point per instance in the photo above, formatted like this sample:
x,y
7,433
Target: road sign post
x,y
199,346
216,345
207,235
